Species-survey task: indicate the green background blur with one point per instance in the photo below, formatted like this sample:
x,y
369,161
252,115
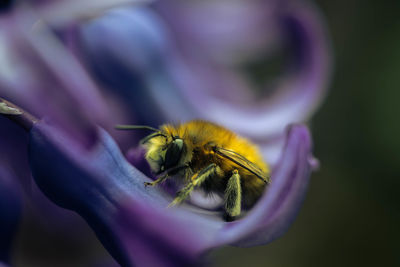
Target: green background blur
x,y
351,215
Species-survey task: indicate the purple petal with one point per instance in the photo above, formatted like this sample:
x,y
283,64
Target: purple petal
x,y
180,88
128,50
88,181
158,237
13,154
60,12
212,28
136,156
14,162
54,83
185,87
208,84
178,238
131,221
98,183
133,36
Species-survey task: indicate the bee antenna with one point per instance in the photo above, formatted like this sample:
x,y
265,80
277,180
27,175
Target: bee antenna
x,y
147,138
136,127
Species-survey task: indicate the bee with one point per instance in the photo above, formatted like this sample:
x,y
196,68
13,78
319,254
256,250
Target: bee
x,y
204,155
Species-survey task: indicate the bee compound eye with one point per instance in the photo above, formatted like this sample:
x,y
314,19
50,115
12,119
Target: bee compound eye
x,y
173,154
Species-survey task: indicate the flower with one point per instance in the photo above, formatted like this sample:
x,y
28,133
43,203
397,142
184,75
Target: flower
x,y
196,59
25,64
78,165
132,222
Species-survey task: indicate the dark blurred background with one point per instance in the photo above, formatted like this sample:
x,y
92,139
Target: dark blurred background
x,y
351,215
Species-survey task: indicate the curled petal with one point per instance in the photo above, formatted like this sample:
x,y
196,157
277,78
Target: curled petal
x,y
61,12
135,39
15,167
131,220
181,85
90,182
39,74
213,28
209,85
128,50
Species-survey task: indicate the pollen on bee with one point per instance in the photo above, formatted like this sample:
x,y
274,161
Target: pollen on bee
x,y
194,176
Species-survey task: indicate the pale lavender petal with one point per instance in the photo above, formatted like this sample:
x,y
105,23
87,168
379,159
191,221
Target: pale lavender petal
x,y
43,77
272,151
129,50
208,85
59,12
182,87
223,30
134,36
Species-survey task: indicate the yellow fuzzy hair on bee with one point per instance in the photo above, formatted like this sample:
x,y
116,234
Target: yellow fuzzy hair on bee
x,y
205,155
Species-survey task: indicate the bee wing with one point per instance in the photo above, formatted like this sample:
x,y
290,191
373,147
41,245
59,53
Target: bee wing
x,y
243,162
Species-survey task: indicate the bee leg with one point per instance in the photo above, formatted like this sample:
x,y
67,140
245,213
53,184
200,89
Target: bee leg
x,y
233,197
182,195
172,171
196,180
156,182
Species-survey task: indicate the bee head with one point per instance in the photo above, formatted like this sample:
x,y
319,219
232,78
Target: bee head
x,y
164,152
